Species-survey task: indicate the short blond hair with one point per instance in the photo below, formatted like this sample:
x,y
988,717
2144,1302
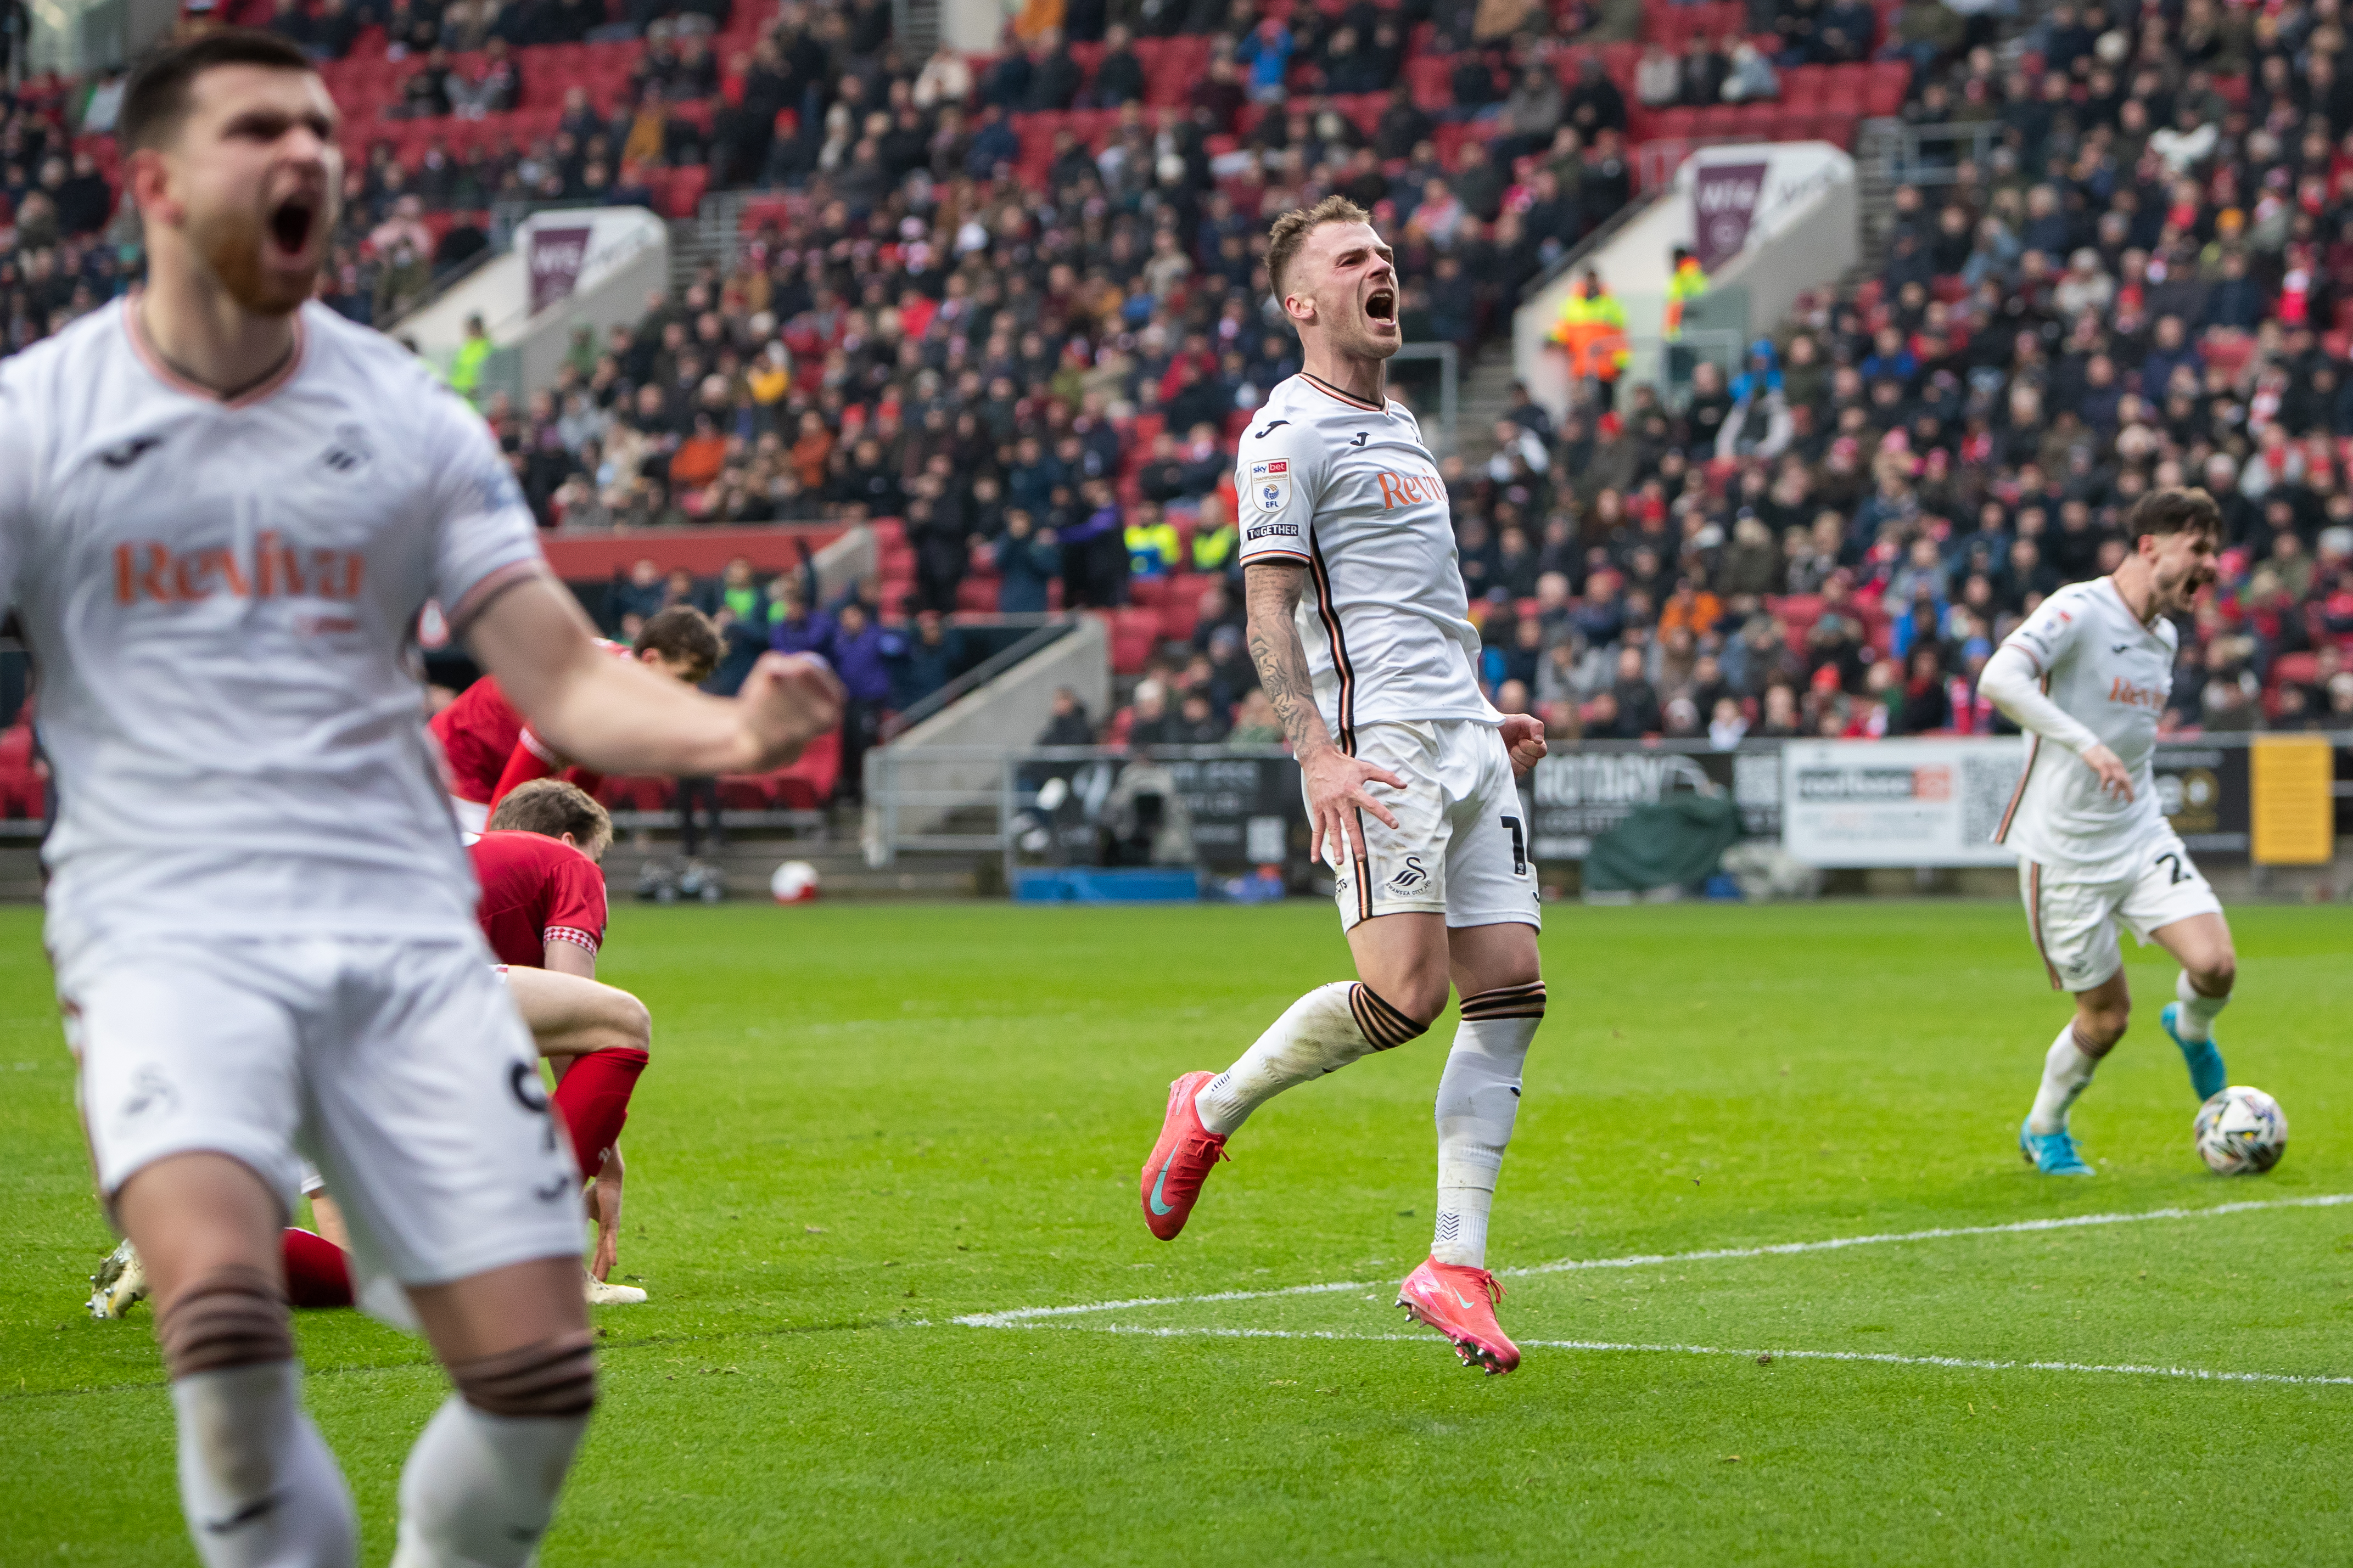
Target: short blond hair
x,y
1291,231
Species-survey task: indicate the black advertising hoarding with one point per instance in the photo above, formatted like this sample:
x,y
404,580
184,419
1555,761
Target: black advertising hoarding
x,y
1246,810
2202,790
1578,796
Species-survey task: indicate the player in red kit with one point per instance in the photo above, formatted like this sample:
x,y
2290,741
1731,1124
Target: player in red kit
x,y
488,748
543,912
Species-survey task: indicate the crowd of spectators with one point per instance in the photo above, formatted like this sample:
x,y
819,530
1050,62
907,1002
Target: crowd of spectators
x,y
2132,276
2139,283
2136,270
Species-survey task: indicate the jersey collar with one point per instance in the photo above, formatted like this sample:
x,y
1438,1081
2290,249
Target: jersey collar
x,y
2148,628
1325,387
158,367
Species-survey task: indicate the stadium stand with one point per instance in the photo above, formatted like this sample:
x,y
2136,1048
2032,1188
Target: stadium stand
x,y
1008,310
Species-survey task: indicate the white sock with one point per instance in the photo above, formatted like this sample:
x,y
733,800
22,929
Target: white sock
x,y
478,1489
1321,1032
2195,1022
257,1483
2066,1072
1478,1101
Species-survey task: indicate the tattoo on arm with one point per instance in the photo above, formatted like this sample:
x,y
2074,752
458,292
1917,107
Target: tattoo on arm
x,y
1272,593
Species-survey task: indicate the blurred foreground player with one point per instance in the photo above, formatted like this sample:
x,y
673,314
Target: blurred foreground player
x,y
542,912
488,748
222,510
1360,628
2086,676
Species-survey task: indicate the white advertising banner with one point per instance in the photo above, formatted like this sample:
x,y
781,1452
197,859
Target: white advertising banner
x,y
1925,802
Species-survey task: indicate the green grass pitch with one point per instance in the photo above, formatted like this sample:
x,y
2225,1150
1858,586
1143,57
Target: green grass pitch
x,y
863,1124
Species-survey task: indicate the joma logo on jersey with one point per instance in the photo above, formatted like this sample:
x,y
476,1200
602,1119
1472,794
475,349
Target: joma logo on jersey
x,y
276,571
2132,696
1410,489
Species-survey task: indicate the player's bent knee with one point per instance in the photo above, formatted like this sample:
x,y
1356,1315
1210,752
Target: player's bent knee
x,y
637,1022
557,1376
2217,976
231,1316
1387,1025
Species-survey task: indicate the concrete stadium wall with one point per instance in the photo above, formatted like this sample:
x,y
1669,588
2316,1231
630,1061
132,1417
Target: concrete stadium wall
x,y
1007,714
1011,710
971,26
846,562
1803,234
627,257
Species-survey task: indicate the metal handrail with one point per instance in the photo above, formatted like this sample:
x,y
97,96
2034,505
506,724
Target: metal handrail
x,y
1901,152
981,674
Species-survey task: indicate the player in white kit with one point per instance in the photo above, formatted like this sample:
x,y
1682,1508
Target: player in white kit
x,y
1360,628
221,511
2087,677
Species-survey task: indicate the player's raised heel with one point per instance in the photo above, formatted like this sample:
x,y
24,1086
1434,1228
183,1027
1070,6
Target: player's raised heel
x,y
122,1279
1180,1161
2203,1057
2053,1154
1459,1302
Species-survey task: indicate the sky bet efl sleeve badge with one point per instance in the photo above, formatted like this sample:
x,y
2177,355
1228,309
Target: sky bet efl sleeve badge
x,y
1269,485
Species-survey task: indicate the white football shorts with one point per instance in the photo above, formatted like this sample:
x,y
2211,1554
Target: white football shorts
x,y
2074,922
1460,844
397,1065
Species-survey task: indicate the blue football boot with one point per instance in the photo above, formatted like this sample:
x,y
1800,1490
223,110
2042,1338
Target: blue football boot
x,y
2203,1057
2053,1154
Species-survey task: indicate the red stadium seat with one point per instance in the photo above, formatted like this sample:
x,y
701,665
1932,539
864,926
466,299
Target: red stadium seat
x,y
1432,79
745,792
1135,635
1180,605
811,782
622,794
686,188
1889,82
2295,670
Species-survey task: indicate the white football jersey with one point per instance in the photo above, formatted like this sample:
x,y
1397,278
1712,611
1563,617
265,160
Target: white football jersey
x,y
2103,667
220,599
1349,491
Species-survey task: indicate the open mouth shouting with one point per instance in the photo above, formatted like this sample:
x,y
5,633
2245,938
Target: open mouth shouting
x,y
1380,308
293,227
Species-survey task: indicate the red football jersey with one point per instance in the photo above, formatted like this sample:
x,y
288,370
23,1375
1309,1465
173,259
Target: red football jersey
x,y
478,732
535,891
484,738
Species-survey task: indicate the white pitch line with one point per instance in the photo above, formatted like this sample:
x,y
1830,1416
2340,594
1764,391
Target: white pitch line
x,y
1883,1358
1020,1315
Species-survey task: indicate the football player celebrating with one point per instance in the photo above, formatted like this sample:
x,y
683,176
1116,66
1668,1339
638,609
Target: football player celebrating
x,y
2086,676
222,510
1360,628
488,748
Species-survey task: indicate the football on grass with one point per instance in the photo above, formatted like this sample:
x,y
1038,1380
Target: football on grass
x,y
2241,1132
794,883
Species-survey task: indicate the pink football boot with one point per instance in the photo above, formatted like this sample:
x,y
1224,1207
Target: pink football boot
x,y
1459,1303
1180,1161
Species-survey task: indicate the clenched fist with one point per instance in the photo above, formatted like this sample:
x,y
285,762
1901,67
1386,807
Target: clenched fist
x,y
787,701
1524,737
